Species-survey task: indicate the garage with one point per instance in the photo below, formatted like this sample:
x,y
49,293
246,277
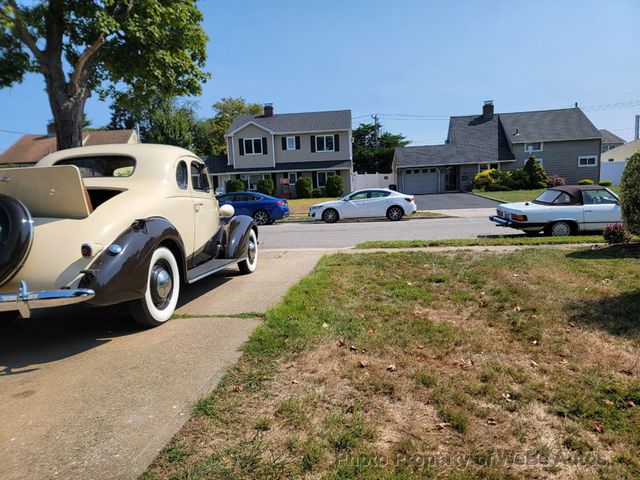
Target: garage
x,y
420,180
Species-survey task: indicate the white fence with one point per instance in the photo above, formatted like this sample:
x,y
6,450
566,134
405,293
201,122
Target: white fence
x,y
372,180
612,171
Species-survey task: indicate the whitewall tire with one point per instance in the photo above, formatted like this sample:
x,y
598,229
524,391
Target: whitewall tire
x,y
251,262
163,288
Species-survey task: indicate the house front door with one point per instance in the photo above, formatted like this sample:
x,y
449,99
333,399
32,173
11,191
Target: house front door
x,y
451,179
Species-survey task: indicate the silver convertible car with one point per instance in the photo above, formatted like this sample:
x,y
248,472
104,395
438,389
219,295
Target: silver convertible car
x,y
562,211
115,224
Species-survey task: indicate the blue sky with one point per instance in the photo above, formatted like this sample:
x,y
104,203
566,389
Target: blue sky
x,y
408,57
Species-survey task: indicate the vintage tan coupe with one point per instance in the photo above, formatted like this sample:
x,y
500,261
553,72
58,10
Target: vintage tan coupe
x,y
114,224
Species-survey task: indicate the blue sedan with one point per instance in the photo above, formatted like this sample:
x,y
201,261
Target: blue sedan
x,y
264,209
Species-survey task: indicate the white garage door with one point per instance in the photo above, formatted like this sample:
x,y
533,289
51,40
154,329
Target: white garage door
x,y
418,181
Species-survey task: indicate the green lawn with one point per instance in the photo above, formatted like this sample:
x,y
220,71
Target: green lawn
x,y
412,365
488,241
522,195
298,206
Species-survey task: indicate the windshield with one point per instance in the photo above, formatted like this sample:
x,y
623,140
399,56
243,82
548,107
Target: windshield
x,y
102,166
547,197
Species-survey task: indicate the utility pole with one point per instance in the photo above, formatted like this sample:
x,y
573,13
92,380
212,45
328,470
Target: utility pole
x,y
376,127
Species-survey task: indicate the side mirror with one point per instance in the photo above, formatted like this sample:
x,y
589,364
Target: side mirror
x,y
227,211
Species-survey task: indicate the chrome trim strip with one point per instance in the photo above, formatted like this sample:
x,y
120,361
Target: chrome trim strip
x,y
24,301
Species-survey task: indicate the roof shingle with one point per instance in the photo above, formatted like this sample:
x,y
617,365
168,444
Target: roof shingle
x,y
548,125
335,120
608,137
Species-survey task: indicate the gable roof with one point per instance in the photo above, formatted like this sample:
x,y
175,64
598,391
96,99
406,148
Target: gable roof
x,y
335,120
32,148
608,137
548,125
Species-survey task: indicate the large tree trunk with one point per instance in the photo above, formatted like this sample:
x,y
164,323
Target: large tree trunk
x,y
68,117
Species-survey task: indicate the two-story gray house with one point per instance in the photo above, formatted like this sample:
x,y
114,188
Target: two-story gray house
x,y
286,147
564,141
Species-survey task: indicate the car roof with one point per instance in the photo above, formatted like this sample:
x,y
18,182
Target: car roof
x,y
575,190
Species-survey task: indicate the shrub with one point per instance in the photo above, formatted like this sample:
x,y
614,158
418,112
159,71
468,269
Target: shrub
x,y
605,183
335,186
304,187
586,181
616,233
234,186
536,173
518,179
556,181
630,194
317,193
266,186
492,180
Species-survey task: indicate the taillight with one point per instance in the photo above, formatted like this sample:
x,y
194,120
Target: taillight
x,y
281,202
409,199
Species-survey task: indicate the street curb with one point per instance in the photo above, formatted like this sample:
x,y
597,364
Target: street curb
x,y
487,197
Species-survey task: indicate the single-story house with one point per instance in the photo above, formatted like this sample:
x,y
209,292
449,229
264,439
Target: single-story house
x,y
30,149
564,141
610,140
614,161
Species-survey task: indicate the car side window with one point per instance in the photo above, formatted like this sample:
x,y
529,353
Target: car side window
x,y
596,197
181,176
199,177
359,196
379,194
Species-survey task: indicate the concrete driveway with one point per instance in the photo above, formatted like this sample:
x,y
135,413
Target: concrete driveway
x,y
453,201
87,394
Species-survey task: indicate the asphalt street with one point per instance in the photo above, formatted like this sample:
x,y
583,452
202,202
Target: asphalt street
x,y
348,234
452,201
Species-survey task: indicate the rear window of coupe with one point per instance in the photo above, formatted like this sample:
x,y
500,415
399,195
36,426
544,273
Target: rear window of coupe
x,y
102,166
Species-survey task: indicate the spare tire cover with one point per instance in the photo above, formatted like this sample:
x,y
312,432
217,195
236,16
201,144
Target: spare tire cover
x,y
16,236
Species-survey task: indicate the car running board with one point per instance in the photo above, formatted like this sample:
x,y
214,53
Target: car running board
x,y
209,268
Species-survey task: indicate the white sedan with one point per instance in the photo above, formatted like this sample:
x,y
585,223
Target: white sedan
x,y
372,202
562,211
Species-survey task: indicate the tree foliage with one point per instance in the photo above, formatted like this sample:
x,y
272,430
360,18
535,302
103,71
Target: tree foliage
x,y
304,187
234,185
335,186
630,194
266,186
134,52
374,153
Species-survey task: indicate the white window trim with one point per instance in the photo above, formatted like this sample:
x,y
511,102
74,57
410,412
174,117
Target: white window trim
x,y
244,144
287,143
541,160
247,178
295,176
532,151
333,145
595,164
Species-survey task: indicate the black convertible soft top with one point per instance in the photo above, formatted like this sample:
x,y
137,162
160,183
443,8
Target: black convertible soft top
x,y
574,190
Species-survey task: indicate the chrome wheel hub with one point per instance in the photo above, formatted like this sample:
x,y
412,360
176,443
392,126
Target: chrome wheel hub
x,y
161,285
261,218
251,251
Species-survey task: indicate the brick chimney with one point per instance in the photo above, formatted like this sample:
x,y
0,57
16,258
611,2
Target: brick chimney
x,y
487,110
51,129
268,109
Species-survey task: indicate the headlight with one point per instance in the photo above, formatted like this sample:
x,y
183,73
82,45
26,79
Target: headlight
x,y
519,218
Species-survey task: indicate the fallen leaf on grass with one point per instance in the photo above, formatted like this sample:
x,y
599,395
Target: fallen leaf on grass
x,y
238,388
507,397
491,421
599,427
341,342
533,363
364,363
564,361
517,308
391,368
442,425
325,325
465,364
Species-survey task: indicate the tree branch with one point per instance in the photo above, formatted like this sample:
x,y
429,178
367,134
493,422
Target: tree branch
x,y
83,61
24,34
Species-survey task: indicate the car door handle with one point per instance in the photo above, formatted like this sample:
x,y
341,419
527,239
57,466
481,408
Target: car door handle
x,y
589,211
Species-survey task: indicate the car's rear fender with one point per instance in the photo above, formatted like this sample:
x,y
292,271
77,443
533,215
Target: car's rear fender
x,y
120,274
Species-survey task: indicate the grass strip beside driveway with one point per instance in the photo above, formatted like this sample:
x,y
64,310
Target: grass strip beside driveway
x,y
420,365
482,241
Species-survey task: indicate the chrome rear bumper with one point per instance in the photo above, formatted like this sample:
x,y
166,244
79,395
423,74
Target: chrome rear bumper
x,y
24,301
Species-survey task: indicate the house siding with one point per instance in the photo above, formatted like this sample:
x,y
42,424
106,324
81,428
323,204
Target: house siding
x,y
305,154
561,158
252,161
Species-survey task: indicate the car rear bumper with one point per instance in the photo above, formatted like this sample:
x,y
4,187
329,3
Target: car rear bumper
x,y
24,301
503,222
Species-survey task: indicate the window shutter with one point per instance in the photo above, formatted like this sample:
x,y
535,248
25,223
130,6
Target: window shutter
x,y
264,145
313,144
314,176
284,143
241,142
297,142
336,142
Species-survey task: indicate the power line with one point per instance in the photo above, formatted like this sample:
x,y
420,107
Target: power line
x,y
12,132
612,106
